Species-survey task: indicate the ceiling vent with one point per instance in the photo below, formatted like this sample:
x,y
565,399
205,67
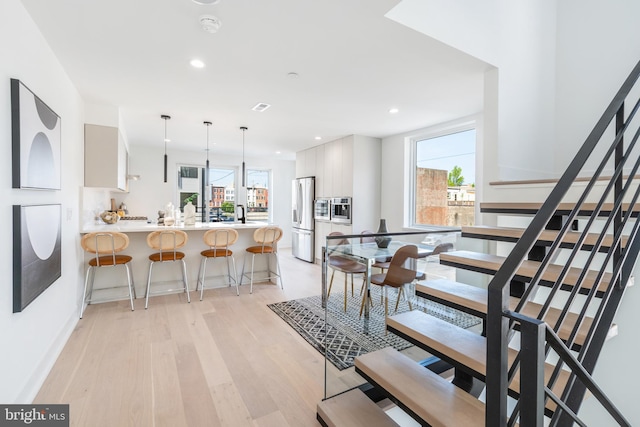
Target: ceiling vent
x,y
210,23
260,107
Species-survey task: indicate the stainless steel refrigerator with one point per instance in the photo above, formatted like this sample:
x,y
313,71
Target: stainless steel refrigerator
x,y
303,193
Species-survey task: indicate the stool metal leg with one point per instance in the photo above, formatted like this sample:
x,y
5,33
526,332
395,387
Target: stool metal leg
x,y
203,267
84,294
131,289
253,258
146,302
235,273
133,285
244,262
184,277
279,272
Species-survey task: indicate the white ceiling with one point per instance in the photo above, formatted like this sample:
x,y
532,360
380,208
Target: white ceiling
x,y
353,65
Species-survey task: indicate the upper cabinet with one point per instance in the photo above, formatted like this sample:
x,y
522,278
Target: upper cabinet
x,y
346,167
105,158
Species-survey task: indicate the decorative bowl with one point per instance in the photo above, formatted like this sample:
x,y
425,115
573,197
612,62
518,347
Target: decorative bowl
x,y
109,217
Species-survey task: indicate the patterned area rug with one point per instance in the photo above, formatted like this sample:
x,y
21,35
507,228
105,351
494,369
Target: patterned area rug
x,y
343,334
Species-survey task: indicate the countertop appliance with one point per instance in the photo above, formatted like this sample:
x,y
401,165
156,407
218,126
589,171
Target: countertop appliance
x,y
321,211
341,210
303,237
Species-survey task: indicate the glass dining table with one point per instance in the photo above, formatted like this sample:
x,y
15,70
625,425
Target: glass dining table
x,y
366,254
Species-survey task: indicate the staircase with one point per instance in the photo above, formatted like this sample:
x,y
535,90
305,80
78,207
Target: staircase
x,y
548,309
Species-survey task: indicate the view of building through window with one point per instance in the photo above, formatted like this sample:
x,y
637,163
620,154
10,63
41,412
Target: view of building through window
x,y
445,179
221,192
257,195
222,197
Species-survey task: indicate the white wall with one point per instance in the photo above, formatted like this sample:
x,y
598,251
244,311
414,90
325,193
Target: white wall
x,y
150,194
598,46
31,340
518,38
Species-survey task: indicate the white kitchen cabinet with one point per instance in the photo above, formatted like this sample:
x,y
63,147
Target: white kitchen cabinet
x,y
347,167
106,160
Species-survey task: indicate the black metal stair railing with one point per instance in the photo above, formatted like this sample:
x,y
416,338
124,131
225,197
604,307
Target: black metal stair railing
x,y
595,278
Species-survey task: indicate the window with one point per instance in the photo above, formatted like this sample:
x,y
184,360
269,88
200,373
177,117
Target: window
x,y
222,194
218,195
444,178
257,195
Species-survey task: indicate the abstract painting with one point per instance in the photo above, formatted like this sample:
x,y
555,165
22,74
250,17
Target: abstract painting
x,y
35,139
37,252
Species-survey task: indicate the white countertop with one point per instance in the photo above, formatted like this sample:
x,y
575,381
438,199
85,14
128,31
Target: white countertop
x,y
134,226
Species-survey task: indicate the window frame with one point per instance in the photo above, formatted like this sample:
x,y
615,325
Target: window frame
x,y
436,131
269,190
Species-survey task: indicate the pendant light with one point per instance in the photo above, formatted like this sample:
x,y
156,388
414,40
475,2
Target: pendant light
x,y
207,124
243,128
165,118
206,176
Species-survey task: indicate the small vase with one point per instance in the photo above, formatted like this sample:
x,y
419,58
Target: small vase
x,y
383,241
189,214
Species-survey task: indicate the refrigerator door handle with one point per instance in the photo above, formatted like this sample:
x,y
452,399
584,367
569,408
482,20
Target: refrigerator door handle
x,y
300,203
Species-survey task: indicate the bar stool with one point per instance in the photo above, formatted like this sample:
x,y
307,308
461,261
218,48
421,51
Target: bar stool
x,y
167,242
105,247
266,239
218,241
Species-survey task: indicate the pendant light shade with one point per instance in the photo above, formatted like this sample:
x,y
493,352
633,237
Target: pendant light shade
x,y
165,118
207,124
244,175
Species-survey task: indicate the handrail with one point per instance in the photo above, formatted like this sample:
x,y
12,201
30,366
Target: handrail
x,y
499,317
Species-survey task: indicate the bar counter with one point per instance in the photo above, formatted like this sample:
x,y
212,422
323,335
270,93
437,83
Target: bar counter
x,y
169,272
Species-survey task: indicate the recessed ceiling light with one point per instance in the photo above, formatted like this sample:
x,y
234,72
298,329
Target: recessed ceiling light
x,y
260,107
196,63
292,75
318,138
206,2
277,152
393,111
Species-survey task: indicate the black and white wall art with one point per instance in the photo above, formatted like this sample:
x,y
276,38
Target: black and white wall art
x,y
36,140
37,252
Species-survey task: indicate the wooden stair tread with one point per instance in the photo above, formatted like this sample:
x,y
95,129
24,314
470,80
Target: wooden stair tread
x,y
459,346
474,299
353,408
531,208
425,394
546,238
490,264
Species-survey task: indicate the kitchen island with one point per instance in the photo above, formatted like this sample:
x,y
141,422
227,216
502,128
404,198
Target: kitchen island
x,y
169,273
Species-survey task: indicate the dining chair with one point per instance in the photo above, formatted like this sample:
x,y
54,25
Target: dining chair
x,y
345,265
219,241
167,243
105,248
266,239
397,276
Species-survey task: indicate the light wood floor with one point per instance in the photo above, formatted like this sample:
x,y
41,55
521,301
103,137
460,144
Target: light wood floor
x,y
225,361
